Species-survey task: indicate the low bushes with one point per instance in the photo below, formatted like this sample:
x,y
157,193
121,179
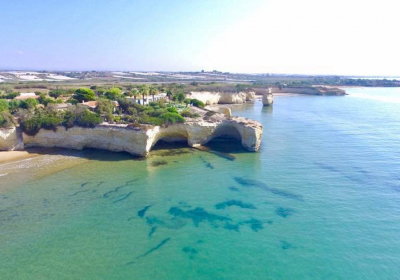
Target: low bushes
x,y
51,120
197,103
6,120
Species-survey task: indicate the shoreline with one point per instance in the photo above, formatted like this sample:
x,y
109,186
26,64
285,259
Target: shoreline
x,y
11,156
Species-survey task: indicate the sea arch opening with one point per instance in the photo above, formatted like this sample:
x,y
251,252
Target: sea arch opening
x,y
170,139
226,138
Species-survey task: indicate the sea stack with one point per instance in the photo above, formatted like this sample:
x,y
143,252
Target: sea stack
x,y
267,99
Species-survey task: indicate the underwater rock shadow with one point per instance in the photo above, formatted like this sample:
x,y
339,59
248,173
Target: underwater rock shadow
x,y
161,244
284,212
254,183
197,215
367,176
232,202
143,211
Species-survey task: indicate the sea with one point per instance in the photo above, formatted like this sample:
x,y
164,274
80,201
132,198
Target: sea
x,y
320,200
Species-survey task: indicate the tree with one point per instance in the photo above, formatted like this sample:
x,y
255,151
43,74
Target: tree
x,y
144,91
153,91
4,105
169,94
113,93
14,105
181,97
6,120
83,94
105,108
56,93
101,91
29,104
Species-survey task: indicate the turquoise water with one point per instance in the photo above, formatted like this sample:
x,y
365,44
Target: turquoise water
x,y
321,200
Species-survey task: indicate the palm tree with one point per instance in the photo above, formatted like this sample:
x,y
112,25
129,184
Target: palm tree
x,y
144,91
169,94
153,91
135,93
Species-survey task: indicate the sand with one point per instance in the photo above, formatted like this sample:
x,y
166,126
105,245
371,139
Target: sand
x,y
11,156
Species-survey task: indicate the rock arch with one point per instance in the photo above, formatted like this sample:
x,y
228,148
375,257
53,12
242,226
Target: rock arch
x,y
175,133
225,130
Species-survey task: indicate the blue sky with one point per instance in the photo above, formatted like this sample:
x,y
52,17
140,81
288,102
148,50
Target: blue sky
x,y
257,36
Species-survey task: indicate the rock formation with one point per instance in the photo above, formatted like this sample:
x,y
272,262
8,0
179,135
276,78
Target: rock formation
x,y
226,111
10,140
212,98
310,90
137,141
267,99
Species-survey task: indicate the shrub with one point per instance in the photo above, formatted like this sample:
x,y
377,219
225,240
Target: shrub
x,y
170,118
6,120
31,126
197,103
29,104
88,119
172,110
4,106
49,122
145,119
188,114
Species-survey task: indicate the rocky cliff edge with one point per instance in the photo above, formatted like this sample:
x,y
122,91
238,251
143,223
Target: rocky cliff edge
x,y
136,141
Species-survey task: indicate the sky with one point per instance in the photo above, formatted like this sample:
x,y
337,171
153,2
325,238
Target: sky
x,y
333,37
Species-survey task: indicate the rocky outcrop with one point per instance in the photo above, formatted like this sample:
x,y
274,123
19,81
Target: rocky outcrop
x,y
311,90
104,137
227,112
267,99
10,140
140,141
212,98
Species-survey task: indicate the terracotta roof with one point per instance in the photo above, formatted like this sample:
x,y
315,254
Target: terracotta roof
x,y
93,104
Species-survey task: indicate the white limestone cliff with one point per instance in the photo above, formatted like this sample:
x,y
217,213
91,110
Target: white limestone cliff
x,y
10,140
140,141
212,98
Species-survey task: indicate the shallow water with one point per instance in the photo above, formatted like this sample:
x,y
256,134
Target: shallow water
x,y
319,201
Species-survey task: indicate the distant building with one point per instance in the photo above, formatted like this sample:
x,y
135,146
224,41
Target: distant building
x,y
92,105
139,99
26,95
61,106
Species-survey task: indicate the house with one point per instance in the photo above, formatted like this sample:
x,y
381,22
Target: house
x,y
26,95
92,105
61,106
149,98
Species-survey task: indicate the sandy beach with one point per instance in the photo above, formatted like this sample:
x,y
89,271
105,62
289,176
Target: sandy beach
x,y
10,156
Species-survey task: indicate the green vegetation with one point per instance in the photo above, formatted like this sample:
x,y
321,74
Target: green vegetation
x,y
113,93
197,103
6,119
50,118
83,94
